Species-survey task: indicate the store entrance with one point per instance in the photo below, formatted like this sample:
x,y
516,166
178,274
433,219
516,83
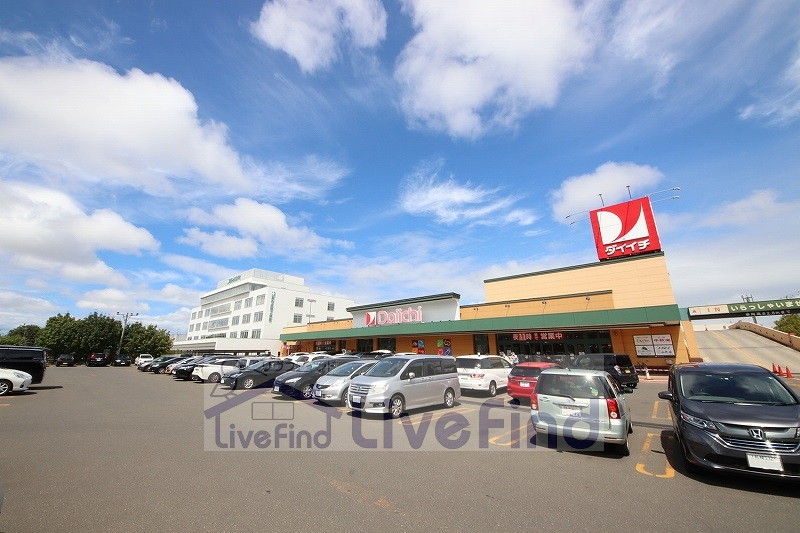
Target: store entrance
x,y
554,346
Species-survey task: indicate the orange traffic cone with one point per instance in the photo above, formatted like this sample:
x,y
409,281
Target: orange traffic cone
x,y
788,373
780,372
774,370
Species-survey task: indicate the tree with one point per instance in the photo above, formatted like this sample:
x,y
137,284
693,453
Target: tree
x,y
25,335
62,334
99,333
788,324
140,339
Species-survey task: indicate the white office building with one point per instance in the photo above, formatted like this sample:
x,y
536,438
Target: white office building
x,y
247,313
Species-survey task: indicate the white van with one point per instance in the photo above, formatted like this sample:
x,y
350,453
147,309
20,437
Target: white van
x,y
402,382
483,373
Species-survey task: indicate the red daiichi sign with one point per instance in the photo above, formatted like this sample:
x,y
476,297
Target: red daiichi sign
x,y
625,229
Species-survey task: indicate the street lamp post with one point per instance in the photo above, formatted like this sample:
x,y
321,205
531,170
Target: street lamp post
x,y
125,317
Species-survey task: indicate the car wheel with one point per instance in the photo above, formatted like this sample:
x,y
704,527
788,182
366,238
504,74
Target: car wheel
x,y
492,389
449,398
630,429
307,392
214,378
396,407
162,370
633,385
623,449
346,398
248,383
5,387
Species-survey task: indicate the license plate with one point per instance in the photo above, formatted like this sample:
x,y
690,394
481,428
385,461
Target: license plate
x,y
765,462
276,388
627,371
356,399
524,384
568,410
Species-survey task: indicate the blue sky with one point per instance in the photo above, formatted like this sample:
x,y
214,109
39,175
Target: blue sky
x,y
386,150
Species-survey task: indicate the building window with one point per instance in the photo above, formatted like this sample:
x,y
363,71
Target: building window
x,y
234,320
298,302
191,328
248,302
205,325
246,318
233,334
208,312
237,305
331,306
298,318
194,315
255,334
260,299
219,323
243,335
330,318
258,316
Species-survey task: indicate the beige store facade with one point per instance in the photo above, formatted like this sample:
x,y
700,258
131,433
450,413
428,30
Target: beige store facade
x,y
624,305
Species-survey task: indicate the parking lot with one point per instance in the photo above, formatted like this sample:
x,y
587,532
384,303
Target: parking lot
x,y
113,449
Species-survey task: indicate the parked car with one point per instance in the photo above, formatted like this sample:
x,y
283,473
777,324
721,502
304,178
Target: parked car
x,y
333,386
184,370
212,371
28,359
121,360
483,373
377,354
66,359
300,382
314,356
160,366
260,374
147,365
586,407
523,377
188,360
12,380
144,357
618,365
298,357
735,417
98,359
398,383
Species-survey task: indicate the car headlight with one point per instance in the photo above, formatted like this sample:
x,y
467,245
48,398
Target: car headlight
x,y
20,375
701,423
291,380
379,388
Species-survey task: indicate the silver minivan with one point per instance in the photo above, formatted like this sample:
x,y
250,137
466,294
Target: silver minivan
x,y
398,383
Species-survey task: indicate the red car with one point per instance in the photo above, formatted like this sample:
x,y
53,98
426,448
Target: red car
x,y
523,377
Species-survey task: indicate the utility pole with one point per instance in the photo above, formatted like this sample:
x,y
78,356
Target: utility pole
x,y
749,298
125,317
311,303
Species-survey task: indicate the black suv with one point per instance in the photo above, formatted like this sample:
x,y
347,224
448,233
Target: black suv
x,y
65,359
618,365
98,359
121,360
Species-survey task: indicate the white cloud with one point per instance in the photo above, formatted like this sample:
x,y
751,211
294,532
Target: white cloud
x,y
309,178
781,104
136,129
579,194
219,243
111,300
424,193
311,31
46,230
460,75
263,222
204,269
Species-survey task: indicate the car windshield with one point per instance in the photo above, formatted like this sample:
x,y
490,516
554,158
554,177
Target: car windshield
x,y
346,369
468,362
572,386
752,388
526,372
386,368
310,367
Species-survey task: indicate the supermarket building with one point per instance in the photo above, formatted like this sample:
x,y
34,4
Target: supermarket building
x,y
624,303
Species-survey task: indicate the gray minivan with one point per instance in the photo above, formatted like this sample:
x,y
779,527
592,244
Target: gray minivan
x,y
398,383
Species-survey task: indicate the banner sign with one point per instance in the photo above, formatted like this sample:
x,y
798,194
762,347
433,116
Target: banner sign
x,y
625,229
763,308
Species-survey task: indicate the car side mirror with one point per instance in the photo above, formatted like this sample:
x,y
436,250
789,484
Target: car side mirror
x,y
666,395
411,375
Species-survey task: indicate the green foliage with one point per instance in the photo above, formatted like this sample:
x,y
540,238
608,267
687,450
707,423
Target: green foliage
x,y
788,324
26,335
95,333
